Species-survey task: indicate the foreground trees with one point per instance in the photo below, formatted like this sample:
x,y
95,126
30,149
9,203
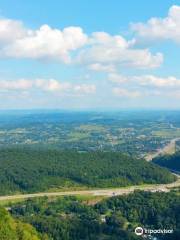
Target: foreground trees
x,y
11,229
69,218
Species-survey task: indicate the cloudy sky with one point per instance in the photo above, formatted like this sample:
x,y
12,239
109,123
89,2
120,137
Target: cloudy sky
x,y
89,54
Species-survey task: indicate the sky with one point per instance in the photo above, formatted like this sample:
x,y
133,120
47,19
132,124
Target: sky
x,y
89,54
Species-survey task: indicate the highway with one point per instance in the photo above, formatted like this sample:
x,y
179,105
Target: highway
x,y
98,192
168,149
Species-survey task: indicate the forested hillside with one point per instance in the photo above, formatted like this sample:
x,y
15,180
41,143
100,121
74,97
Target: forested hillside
x,y
32,170
70,218
146,209
11,229
169,161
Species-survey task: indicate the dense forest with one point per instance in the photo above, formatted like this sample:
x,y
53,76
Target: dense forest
x,y
32,170
169,161
71,218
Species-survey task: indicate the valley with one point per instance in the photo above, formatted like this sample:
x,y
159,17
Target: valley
x,y
88,175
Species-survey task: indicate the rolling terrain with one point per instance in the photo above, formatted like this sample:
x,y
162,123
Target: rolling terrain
x,y
138,133
69,176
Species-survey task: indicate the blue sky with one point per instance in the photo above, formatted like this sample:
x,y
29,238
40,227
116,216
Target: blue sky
x,y
89,54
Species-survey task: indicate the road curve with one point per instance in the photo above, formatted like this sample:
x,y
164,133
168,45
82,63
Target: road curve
x,y
98,192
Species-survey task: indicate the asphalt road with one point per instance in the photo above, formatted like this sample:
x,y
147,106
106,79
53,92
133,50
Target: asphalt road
x,y
98,192
168,149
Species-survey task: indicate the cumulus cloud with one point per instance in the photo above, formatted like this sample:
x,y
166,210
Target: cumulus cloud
x,y
85,88
99,51
117,78
98,67
150,80
46,85
167,28
27,84
103,38
145,86
21,84
146,80
106,51
125,93
51,85
11,30
44,43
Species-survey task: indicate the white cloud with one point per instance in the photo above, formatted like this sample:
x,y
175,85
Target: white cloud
x,y
145,80
145,86
107,51
44,43
46,85
146,93
11,30
99,51
103,38
52,85
98,67
161,28
21,84
125,93
150,80
28,84
85,88
117,78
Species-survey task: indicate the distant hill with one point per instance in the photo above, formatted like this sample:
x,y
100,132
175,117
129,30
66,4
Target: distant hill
x,y
33,170
169,161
